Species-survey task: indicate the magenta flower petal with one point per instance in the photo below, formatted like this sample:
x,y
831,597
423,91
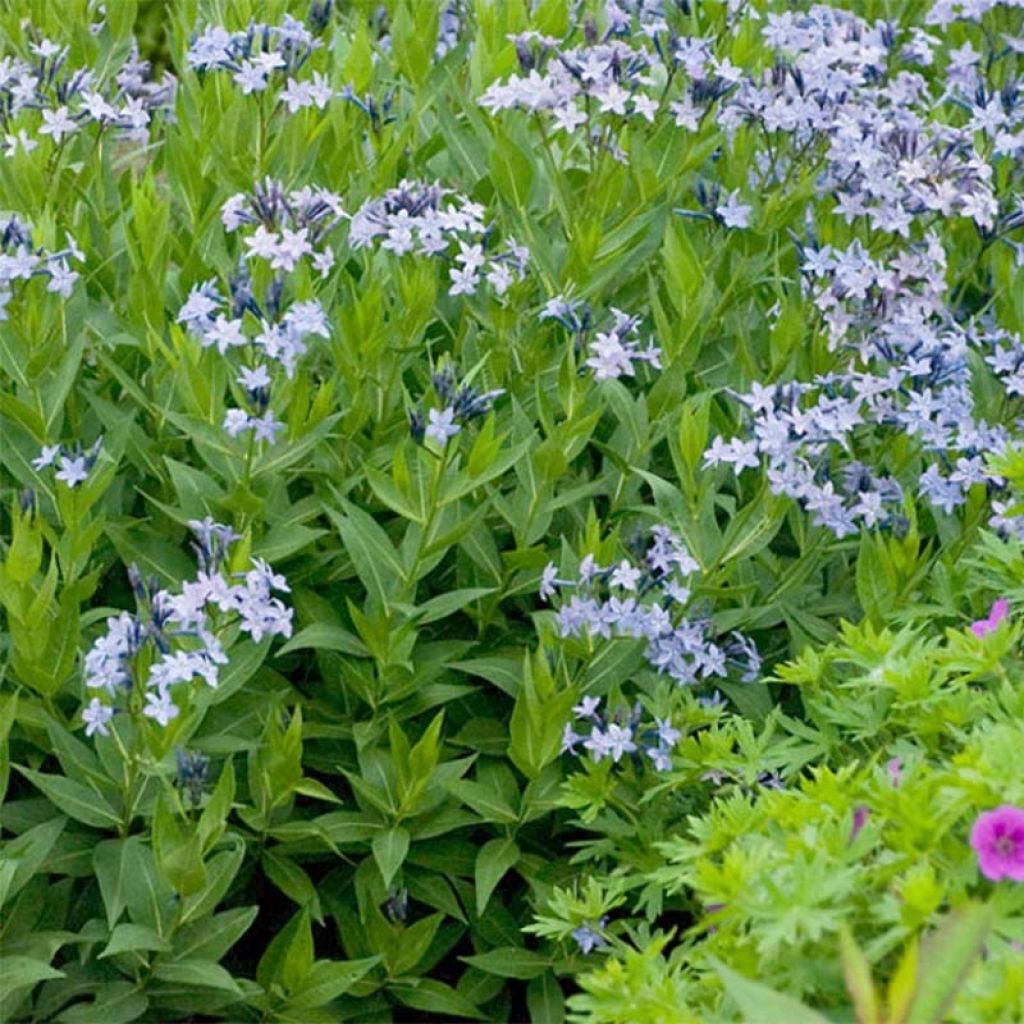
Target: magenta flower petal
x,y
998,839
860,817
999,611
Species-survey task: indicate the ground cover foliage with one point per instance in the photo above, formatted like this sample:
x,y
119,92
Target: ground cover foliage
x,y
511,511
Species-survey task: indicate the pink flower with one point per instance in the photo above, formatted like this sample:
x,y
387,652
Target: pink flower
x,y
998,840
894,765
999,611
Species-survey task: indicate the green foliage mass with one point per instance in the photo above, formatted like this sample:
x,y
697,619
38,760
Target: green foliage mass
x,y
378,821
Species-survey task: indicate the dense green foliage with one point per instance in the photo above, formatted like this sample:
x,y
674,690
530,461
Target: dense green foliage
x,y
372,815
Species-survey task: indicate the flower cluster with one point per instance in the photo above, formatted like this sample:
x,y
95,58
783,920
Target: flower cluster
x,y
430,220
623,77
612,353
1006,359
886,157
645,598
176,635
73,464
566,83
623,732
907,372
289,225
459,404
217,320
263,55
20,260
67,100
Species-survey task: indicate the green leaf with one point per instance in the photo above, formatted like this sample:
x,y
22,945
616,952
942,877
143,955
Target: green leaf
x,y
292,881
443,605
434,997
129,938
510,962
492,862
503,672
75,800
116,1002
538,718
26,854
947,955
288,958
24,972
212,937
490,805
372,553
198,973
109,865
280,457
329,979
857,974
323,636
545,1000
758,1003
877,584
389,851
213,820
178,851
416,940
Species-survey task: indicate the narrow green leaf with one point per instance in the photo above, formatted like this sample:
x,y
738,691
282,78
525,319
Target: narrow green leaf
x,y
75,800
510,962
389,851
130,938
24,972
947,955
329,979
492,862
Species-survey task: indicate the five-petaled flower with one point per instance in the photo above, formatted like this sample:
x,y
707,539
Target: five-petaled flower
x,y
998,839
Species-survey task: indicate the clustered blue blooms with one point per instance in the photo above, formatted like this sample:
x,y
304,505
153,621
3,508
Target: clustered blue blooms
x,y
43,97
181,630
612,353
575,86
837,91
615,734
429,220
20,260
646,597
460,403
289,225
894,158
73,464
281,338
908,371
264,55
